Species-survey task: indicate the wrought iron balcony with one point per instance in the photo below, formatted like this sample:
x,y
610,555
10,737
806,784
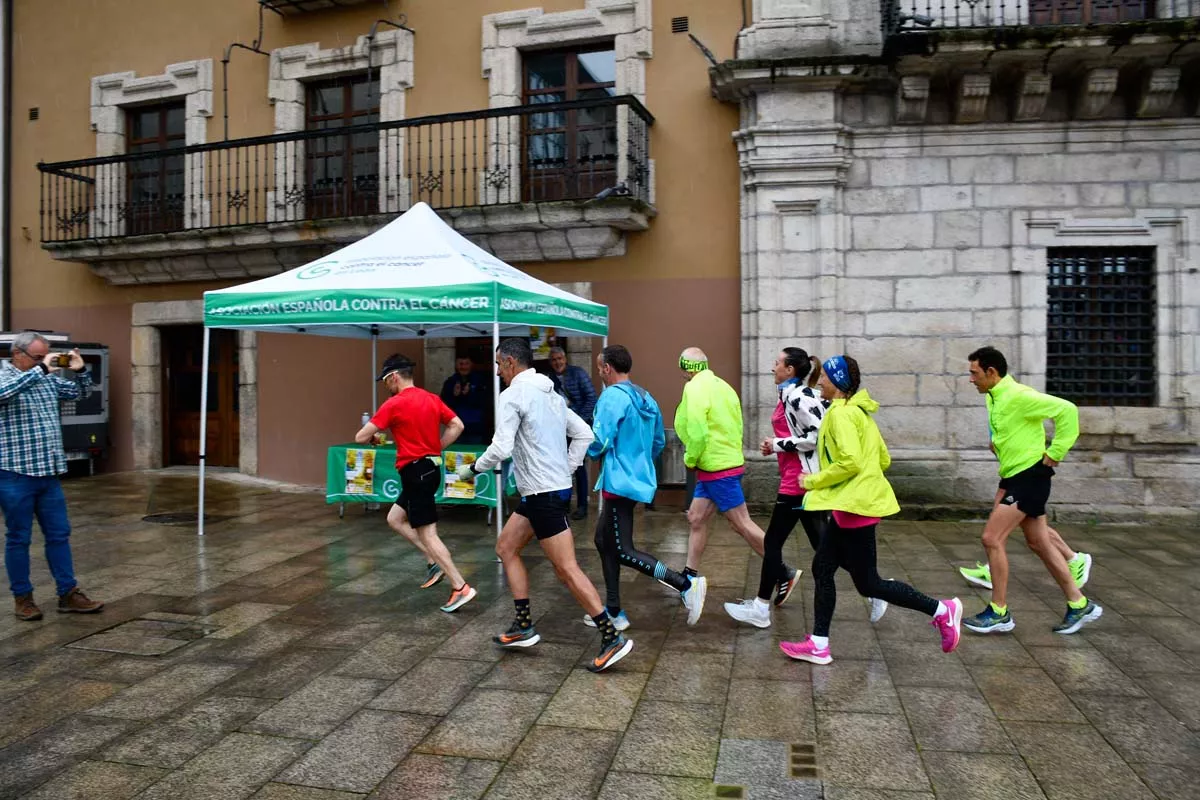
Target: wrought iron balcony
x,y
919,16
523,154
304,6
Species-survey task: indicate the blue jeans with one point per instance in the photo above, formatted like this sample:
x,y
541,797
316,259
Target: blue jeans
x,y
22,497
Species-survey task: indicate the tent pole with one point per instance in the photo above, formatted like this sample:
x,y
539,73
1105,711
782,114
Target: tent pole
x,y
374,366
499,473
203,428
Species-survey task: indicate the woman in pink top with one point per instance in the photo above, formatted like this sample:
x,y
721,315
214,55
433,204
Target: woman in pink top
x,y
795,423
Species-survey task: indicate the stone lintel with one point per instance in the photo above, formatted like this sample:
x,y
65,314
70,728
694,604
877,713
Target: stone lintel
x,y
567,230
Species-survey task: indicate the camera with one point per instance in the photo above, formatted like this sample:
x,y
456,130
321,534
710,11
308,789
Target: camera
x,y
61,360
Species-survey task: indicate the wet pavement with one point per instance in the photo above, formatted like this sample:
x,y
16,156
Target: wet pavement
x,y
290,655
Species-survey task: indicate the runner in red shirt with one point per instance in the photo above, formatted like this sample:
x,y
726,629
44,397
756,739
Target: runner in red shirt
x,y
415,418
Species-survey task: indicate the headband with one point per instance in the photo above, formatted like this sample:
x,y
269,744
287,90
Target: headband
x,y
838,372
691,365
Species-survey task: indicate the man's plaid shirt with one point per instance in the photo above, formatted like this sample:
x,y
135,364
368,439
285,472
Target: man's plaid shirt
x,y
30,428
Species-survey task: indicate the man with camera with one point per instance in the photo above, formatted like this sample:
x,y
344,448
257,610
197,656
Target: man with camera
x,y
31,459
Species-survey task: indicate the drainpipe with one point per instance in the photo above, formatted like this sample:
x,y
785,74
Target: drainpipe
x,y
253,48
371,41
6,167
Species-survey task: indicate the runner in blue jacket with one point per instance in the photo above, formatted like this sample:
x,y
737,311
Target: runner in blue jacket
x,y
629,436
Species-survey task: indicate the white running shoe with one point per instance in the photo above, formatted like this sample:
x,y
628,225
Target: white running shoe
x,y
620,621
750,612
693,598
878,608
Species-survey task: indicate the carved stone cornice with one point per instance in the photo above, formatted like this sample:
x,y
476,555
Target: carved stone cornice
x,y
912,99
971,102
1157,91
1033,92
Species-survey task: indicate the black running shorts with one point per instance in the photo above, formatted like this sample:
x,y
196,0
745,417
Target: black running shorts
x,y
419,482
1028,490
546,512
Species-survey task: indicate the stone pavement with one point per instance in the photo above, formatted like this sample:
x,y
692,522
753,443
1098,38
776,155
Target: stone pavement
x,y
290,655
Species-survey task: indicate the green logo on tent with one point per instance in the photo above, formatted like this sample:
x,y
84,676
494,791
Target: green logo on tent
x,y
318,270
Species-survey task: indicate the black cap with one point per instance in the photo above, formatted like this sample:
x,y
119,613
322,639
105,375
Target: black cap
x,y
394,363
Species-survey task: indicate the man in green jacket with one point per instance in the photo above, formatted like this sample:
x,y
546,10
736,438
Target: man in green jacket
x,y
709,424
1016,414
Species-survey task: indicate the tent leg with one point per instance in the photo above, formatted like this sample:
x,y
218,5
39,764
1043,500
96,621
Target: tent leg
x,y
203,428
499,473
374,366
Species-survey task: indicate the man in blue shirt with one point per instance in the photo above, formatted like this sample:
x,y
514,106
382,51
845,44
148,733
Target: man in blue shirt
x,y
629,437
31,458
468,392
577,387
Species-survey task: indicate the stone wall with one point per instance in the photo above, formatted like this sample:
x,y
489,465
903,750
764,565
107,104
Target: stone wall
x,y
907,247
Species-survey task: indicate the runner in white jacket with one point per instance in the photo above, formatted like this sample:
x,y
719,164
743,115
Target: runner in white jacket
x,y
531,425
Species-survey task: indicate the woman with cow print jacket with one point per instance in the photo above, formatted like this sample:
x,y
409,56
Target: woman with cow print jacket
x,y
795,423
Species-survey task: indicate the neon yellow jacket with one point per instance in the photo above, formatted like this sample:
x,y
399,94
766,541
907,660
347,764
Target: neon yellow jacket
x,y
853,458
709,423
1015,416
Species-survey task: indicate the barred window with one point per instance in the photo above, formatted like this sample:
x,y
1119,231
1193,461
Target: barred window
x,y
1101,325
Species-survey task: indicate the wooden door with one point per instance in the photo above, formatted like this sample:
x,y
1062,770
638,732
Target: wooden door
x,y
183,349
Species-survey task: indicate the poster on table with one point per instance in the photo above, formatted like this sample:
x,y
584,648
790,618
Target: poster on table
x,y
455,488
360,471
540,341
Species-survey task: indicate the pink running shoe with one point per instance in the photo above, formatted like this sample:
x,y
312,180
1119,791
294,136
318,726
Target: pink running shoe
x,y
806,651
948,624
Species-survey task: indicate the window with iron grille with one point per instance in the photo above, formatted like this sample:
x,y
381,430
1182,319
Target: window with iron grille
x,y
1101,325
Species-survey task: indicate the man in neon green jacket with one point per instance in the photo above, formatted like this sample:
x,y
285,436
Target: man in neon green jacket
x,y
709,423
1016,414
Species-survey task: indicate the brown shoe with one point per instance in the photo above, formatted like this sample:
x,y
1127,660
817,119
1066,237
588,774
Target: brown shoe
x,y
26,609
76,602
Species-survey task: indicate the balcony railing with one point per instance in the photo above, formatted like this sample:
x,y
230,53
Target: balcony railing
x,y
521,154
917,16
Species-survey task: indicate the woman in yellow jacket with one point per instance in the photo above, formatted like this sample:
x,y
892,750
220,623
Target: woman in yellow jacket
x,y
850,485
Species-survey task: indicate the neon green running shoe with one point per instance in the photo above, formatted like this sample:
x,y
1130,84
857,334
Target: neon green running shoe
x,y
979,575
1081,569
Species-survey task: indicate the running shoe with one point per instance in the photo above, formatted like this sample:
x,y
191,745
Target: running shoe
x,y
988,621
433,574
620,621
783,590
750,612
979,575
693,598
1081,569
1076,618
878,608
459,598
611,653
806,651
948,624
516,636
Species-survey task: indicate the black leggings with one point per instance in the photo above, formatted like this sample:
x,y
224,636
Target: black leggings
x,y
853,549
614,541
789,509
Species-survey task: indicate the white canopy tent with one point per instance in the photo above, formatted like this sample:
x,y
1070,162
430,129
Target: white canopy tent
x,y
414,277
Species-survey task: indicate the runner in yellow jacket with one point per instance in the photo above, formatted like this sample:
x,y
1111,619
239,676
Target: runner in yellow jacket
x,y
709,423
851,486
1016,414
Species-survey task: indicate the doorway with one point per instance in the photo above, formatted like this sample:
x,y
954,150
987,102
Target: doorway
x,y
183,352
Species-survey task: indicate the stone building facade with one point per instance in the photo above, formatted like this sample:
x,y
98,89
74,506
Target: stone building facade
x,y
914,186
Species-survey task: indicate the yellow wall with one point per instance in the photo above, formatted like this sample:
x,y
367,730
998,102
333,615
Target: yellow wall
x,y
691,247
